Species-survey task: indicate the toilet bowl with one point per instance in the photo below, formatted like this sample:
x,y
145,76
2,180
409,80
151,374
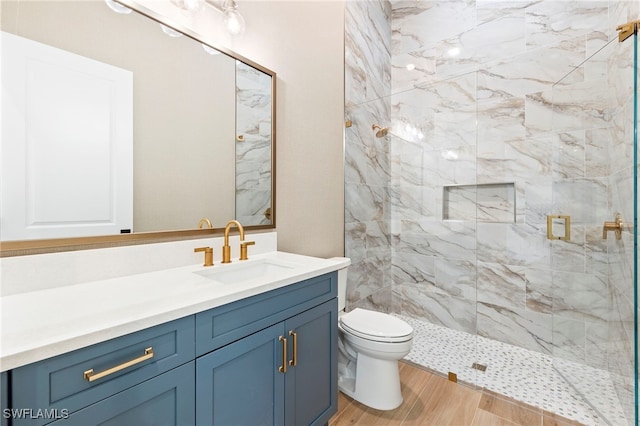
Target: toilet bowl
x,y
370,344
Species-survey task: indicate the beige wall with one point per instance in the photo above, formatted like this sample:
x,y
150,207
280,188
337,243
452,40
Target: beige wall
x,y
303,42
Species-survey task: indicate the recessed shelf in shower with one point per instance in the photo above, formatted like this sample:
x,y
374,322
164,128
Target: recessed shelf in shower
x,y
487,202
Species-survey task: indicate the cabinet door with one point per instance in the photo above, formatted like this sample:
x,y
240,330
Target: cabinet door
x,y
239,384
311,379
166,399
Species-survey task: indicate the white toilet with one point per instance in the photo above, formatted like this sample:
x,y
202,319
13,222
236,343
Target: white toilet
x,y
370,344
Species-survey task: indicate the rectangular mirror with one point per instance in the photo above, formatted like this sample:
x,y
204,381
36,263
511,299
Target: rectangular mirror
x,y
115,124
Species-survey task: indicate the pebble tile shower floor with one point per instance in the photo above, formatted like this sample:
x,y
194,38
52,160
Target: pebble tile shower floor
x,y
524,375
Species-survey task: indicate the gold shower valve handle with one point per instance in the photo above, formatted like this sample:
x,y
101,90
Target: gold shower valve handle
x,y
616,226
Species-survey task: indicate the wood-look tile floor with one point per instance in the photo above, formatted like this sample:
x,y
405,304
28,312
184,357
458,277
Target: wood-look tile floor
x,y
430,399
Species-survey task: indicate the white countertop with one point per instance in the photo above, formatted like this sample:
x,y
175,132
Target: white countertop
x,y
41,324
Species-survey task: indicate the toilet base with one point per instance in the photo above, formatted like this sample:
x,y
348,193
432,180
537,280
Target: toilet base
x,y
380,390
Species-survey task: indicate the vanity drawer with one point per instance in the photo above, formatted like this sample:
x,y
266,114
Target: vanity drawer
x,y
61,383
225,324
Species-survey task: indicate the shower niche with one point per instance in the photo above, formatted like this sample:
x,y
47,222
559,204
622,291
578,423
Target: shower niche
x,y
488,202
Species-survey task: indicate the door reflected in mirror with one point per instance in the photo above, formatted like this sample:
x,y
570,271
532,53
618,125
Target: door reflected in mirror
x,y
200,138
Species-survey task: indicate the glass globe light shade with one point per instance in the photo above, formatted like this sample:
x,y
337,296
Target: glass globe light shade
x,y
117,7
233,20
193,6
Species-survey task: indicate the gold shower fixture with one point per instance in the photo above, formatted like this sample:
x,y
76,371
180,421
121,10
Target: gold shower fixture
x,y
627,30
380,131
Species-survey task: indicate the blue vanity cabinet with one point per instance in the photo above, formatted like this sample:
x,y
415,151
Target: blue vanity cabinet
x,y
165,400
311,386
56,388
265,359
284,374
4,398
239,385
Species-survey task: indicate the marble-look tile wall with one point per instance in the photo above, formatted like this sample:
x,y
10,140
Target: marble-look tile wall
x,y
367,158
253,150
478,93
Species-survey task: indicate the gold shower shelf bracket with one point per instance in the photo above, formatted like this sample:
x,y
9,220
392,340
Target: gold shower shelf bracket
x,y
567,228
627,30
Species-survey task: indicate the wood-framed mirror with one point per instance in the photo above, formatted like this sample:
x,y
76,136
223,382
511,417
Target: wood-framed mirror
x,y
107,142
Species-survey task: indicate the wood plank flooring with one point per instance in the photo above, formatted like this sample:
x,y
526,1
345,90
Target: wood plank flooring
x,y
430,399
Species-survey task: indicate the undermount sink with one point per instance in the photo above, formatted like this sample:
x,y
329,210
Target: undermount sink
x,y
247,271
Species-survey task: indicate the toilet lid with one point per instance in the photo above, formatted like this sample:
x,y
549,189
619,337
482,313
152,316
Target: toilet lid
x,y
376,326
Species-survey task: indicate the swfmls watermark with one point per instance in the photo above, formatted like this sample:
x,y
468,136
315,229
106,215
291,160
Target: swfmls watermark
x,y
31,413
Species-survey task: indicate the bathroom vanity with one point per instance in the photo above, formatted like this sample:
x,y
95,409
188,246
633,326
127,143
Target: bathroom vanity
x,y
257,345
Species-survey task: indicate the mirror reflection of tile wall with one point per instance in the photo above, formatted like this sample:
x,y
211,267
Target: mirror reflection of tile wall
x,y
253,145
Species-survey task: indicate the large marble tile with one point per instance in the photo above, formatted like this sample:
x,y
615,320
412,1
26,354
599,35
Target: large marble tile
x,y
367,51
366,203
529,330
551,22
539,289
413,269
448,239
421,302
569,255
581,296
416,25
500,121
534,71
496,38
411,69
579,106
513,244
501,285
456,277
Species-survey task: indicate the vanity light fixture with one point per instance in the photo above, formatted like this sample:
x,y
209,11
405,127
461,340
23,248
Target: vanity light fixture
x,y
170,31
210,50
233,20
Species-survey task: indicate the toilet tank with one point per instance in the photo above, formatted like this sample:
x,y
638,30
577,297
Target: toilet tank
x,y
342,284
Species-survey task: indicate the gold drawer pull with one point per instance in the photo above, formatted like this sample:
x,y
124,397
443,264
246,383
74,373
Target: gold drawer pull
x,y
294,360
283,367
91,376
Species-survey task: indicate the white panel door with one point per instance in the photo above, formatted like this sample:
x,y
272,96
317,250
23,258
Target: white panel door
x,y
67,144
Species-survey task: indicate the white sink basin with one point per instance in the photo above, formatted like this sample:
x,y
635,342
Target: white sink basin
x,y
244,271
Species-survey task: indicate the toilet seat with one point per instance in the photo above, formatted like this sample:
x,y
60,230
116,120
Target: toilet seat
x,y
376,326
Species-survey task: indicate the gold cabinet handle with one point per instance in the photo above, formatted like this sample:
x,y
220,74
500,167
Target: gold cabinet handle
x,y
283,367
294,359
91,376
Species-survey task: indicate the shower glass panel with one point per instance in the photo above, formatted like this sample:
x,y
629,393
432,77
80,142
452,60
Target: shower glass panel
x,y
591,127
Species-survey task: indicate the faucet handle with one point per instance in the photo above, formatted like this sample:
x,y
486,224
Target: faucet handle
x,y
208,255
243,249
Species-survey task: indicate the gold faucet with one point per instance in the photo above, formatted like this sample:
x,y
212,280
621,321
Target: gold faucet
x,y
205,221
226,249
208,255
